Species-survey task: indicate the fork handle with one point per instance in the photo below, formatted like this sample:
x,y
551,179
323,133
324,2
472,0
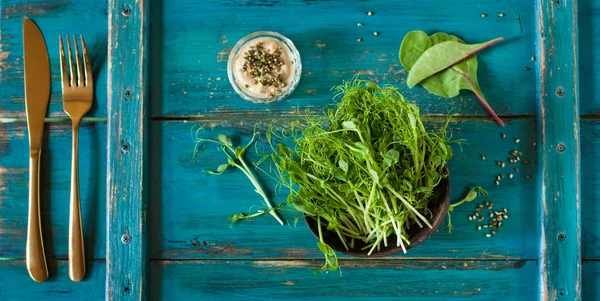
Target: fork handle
x,y
76,252
34,251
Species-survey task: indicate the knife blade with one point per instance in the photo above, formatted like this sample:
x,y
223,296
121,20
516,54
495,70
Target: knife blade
x,y
37,96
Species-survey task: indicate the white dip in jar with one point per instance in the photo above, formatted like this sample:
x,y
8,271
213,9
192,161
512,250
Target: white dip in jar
x,y
264,67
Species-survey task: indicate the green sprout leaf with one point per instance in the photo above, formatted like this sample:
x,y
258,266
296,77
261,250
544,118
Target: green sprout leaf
x,y
225,140
220,170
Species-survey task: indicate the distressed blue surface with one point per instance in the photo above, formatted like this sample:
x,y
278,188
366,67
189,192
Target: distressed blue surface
x,y
182,230
193,252
194,60
127,163
559,155
54,18
55,191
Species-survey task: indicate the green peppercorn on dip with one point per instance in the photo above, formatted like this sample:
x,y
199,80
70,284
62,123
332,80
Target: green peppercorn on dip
x,y
264,67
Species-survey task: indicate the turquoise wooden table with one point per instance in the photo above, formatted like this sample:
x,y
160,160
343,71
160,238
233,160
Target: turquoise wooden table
x,y
160,68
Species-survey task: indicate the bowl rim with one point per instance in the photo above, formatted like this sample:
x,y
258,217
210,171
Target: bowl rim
x,y
442,204
295,56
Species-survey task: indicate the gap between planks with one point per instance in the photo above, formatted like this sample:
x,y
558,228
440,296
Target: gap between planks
x,y
213,117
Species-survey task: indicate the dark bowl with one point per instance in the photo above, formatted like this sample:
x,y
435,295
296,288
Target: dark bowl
x,y
438,205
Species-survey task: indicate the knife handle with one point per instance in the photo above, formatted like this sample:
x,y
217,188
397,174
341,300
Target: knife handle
x,y
35,257
76,251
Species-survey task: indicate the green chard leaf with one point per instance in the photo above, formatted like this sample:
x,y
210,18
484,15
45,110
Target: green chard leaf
x,y
455,76
443,56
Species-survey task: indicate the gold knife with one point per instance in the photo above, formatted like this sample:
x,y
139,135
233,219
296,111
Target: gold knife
x,y
37,95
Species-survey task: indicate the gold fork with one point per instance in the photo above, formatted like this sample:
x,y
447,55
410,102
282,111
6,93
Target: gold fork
x,y
78,91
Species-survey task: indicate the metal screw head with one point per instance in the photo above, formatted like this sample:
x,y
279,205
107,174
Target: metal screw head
x,y
126,238
561,148
560,92
562,292
125,146
128,93
562,236
126,10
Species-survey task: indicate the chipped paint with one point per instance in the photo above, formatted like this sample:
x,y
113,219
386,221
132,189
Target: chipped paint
x,y
223,55
368,72
282,264
3,59
31,9
288,283
321,46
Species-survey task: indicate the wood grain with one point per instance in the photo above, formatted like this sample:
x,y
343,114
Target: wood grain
x,y
55,187
127,151
193,60
17,286
589,69
54,18
361,280
292,280
559,172
187,218
590,181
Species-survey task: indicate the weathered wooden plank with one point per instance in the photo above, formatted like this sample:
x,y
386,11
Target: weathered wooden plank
x,y
559,189
294,280
590,280
15,284
127,145
196,40
54,18
361,280
189,207
590,181
55,185
589,43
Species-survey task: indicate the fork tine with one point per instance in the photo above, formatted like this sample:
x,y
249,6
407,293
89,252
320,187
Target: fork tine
x,y
71,71
80,79
64,76
86,62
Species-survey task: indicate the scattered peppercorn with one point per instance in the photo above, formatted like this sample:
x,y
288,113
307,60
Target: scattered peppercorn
x,y
359,40
263,65
482,157
526,68
510,176
370,13
517,140
503,136
360,24
483,15
501,15
375,33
